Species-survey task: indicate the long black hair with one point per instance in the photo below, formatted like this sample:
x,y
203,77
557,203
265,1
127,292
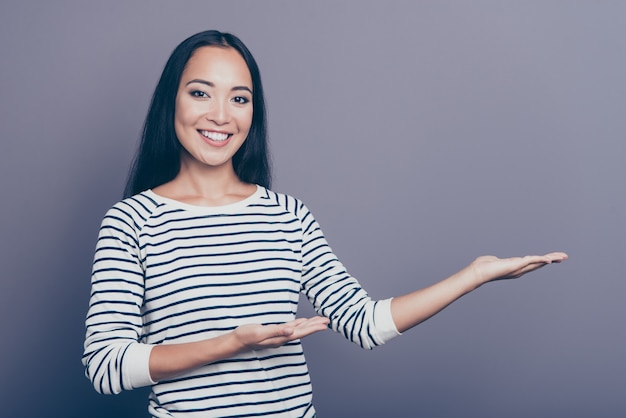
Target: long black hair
x,y
158,158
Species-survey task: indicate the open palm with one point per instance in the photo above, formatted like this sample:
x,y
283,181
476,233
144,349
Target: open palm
x,y
488,268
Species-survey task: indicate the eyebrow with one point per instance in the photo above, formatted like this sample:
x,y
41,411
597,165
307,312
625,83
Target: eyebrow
x,y
210,84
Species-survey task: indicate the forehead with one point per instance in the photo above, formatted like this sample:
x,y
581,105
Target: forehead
x,y
216,64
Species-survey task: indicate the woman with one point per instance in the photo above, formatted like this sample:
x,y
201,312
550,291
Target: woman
x,y
198,271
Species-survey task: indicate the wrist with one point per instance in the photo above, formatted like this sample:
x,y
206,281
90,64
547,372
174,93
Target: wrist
x,y
470,279
235,343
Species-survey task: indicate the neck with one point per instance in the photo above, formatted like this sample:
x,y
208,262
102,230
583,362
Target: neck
x,y
203,185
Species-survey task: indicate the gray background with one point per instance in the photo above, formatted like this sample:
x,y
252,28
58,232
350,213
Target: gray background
x,y
421,134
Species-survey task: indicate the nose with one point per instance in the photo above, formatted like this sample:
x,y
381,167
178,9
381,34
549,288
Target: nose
x,y
218,113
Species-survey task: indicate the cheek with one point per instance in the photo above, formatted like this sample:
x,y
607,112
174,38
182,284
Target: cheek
x,y
178,125
178,115
245,121
181,112
184,117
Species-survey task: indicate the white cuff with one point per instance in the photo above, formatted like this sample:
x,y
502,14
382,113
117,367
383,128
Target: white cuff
x,y
383,320
136,366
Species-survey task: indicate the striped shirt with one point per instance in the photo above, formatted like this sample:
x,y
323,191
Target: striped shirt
x,y
169,272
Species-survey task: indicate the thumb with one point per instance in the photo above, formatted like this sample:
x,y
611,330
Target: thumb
x,y
278,330
287,331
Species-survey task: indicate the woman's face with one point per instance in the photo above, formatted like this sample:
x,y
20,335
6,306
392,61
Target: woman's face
x,y
213,110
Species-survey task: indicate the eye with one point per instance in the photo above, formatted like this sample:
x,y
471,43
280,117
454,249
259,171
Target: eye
x,y
240,100
199,93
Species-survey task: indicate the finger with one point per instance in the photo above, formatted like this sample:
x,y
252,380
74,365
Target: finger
x,y
315,320
277,331
304,322
300,327
550,258
557,257
527,269
296,322
298,333
536,259
310,325
311,328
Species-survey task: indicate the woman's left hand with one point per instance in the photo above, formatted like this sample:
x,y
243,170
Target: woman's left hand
x,y
489,268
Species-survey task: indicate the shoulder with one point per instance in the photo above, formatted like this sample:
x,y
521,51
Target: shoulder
x,y
132,211
294,207
286,202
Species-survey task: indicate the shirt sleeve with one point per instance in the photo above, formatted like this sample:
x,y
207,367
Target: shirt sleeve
x,y
114,358
337,295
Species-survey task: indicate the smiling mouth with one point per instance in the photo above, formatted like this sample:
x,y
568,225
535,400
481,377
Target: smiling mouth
x,y
215,136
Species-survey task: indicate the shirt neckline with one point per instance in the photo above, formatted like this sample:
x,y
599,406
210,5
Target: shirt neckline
x,y
206,209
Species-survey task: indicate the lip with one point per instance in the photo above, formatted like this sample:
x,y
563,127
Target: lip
x,y
214,142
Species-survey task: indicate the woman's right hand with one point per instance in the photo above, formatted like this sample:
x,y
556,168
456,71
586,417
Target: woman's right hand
x,y
256,336
171,360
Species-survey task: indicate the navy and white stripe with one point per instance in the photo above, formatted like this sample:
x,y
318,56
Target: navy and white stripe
x,y
167,272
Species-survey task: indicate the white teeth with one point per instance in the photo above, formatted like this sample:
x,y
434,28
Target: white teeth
x,y
215,136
